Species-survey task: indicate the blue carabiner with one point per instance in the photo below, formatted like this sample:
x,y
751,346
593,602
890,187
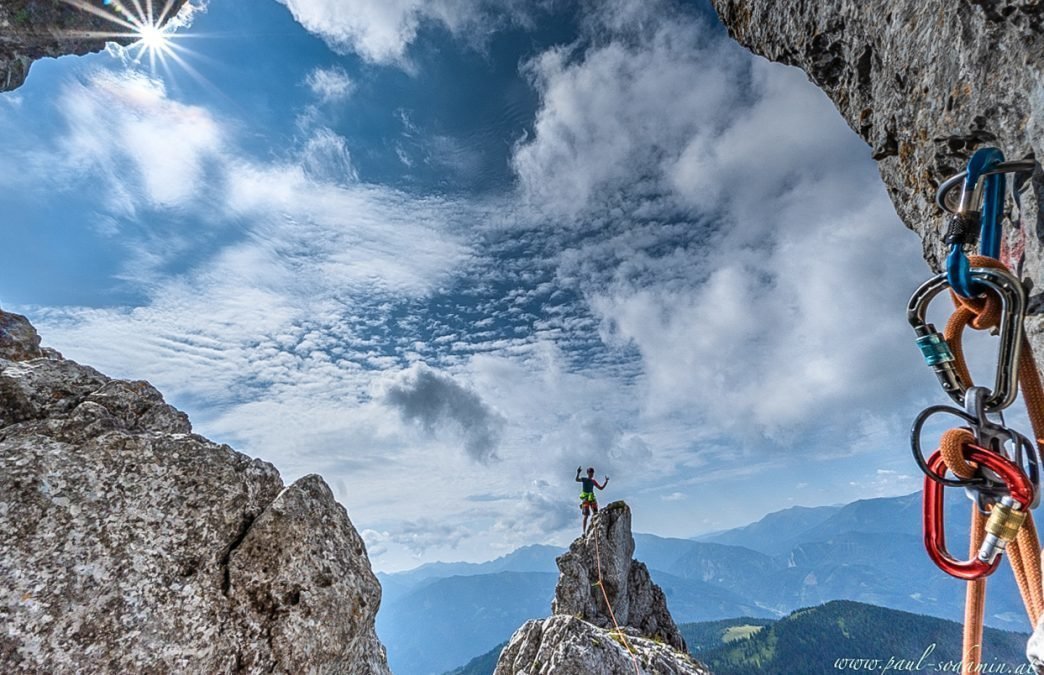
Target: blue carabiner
x,y
958,269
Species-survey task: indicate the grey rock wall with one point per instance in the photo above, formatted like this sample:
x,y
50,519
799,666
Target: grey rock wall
x,y
130,544
925,84
33,29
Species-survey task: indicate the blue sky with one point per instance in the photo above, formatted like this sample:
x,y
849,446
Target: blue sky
x,y
444,252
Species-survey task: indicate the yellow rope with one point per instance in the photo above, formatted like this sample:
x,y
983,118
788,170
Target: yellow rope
x,y
619,631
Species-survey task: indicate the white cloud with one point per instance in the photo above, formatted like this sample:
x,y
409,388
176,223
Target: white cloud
x,y
381,31
112,123
325,157
330,85
772,311
416,536
378,30
612,112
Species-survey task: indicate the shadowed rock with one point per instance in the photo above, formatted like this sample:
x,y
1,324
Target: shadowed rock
x,y
129,544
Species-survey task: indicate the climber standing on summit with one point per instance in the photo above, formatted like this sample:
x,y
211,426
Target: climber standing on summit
x,y
588,503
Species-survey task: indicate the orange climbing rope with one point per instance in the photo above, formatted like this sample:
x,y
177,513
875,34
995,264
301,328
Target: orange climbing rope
x,y
612,615
1024,550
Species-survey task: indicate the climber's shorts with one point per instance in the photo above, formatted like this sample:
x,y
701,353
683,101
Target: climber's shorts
x,y
587,501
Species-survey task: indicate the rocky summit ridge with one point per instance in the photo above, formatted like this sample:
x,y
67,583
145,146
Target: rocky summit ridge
x,y
130,544
581,636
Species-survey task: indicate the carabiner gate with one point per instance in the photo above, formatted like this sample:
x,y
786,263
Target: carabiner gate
x,y
937,353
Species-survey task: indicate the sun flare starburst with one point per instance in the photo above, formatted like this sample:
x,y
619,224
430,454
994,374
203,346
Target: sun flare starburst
x,y
154,37
146,31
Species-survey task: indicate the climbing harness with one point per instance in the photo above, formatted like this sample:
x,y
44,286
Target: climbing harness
x,y
997,466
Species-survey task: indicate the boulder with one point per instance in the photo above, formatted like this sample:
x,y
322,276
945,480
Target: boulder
x,y
130,544
562,645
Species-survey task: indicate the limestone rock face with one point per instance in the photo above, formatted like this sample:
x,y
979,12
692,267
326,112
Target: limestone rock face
x,y
32,29
581,636
925,84
562,644
636,601
129,544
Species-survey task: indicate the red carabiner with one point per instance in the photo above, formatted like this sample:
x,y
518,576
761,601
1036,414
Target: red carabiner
x,y
1018,484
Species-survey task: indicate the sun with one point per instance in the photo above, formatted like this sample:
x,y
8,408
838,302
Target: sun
x,y
153,39
148,24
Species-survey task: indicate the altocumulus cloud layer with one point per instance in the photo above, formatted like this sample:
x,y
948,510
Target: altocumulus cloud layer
x,y
667,290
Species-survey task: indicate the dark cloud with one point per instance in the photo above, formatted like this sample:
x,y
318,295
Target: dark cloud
x,y
433,399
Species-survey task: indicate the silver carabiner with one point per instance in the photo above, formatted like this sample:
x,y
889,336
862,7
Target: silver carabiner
x,y
998,438
937,353
945,197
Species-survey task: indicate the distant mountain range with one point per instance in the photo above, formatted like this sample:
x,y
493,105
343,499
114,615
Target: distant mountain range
x,y
823,640
868,551
842,636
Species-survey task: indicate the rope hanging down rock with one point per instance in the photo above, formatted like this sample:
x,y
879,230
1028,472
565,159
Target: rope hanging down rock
x,y
999,466
609,606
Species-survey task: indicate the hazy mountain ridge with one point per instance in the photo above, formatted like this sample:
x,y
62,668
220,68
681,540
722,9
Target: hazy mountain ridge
x,y
868,551
445,621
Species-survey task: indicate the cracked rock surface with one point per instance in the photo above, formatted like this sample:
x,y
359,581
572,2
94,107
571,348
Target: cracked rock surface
x,y
580,636
130,544
563,645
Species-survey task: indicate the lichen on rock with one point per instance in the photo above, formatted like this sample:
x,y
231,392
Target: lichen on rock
x,y
130,544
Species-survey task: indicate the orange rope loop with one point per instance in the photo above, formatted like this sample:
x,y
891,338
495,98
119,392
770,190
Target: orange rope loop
x,y
1024,552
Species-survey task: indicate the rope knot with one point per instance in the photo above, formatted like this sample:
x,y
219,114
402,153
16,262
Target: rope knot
x,y
951,446
984,312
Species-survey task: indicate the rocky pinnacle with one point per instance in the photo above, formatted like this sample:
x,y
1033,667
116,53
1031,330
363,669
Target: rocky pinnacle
x,y
581,635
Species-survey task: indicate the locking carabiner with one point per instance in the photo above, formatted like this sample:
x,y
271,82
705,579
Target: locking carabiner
x,y
1002,526
937,352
